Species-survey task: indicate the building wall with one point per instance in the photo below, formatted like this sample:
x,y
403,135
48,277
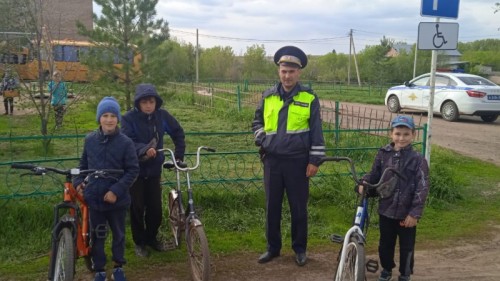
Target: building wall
x,y
60,17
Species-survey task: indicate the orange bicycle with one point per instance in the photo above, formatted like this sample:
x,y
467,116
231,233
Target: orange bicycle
x,y
71,237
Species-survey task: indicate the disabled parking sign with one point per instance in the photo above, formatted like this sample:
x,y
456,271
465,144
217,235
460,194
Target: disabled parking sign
x,y
437,36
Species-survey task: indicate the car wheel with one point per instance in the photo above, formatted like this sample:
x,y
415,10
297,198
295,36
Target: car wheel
x,y
449,111
489,118
393,104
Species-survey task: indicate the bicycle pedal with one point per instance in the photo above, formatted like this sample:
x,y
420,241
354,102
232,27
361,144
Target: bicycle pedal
x,y
170,245
337,238
372,266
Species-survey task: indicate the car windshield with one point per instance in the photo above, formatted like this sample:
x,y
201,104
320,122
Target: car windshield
x,y
476,81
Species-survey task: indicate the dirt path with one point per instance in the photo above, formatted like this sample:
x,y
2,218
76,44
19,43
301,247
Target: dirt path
x,y
461,260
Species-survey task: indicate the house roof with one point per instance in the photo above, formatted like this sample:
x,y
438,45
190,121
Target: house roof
x,y
400,47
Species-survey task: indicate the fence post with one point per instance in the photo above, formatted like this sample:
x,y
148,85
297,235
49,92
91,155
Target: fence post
x,y
337,125
246,85
238,96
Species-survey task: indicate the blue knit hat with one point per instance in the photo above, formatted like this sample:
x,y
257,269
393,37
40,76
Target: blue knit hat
x,y
108,104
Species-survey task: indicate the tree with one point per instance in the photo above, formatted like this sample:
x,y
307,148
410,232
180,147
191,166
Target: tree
x,y
172,61
216,62
125,28
255,64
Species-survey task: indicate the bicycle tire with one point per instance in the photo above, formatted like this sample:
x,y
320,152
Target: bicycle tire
x,y
175,220
65,256
198,252
354,265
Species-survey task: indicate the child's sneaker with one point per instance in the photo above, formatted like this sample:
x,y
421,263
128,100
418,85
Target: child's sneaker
x,y
118,274
404,278
100,276
385,276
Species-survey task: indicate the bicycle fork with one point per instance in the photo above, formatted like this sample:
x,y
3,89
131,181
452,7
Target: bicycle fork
x,y
66,221
347,240
191,218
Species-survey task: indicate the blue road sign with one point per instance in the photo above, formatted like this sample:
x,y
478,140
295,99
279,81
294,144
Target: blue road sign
x,y
440,8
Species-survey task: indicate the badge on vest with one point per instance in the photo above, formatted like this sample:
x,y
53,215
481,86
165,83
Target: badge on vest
x,y
302,104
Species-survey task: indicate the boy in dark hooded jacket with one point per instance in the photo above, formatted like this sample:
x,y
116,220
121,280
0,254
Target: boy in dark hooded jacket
x,y
146,124
108,198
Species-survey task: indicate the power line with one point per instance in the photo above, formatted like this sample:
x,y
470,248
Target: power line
x,y
312,40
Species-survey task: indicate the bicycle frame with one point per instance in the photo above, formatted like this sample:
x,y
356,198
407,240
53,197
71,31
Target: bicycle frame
x,y
77,221
177,192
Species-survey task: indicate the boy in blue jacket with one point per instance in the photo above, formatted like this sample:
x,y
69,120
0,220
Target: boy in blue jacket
x,y
146,124
400,209
108,198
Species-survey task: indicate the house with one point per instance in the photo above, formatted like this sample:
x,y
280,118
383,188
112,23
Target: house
x,y
448,60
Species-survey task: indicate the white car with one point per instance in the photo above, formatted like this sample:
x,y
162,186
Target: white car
x,y
455,94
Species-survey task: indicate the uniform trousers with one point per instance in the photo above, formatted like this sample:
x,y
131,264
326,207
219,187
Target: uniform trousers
x,y
286,175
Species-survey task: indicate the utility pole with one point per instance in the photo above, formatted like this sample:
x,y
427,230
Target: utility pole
x,y
355,61
197,56
349,64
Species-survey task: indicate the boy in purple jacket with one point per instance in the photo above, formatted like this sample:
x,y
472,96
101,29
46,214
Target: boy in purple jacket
x,y
400,210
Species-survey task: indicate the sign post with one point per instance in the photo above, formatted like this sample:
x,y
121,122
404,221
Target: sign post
x,y
438,41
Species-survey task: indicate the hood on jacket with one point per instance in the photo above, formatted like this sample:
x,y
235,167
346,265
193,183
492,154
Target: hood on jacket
x,y
146,90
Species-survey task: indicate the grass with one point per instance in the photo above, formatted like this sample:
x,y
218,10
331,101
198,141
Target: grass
x,y
463,203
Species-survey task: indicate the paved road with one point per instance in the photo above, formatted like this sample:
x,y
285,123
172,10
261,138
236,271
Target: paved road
x,y
469,136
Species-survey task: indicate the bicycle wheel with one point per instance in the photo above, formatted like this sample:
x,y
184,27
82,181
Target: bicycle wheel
x,y
65,256
198,252
175,219
354,263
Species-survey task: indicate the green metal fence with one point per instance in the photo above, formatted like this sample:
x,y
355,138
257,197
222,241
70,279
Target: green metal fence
x,y
239,170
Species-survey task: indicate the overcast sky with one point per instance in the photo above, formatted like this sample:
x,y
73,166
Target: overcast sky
x,y
316,26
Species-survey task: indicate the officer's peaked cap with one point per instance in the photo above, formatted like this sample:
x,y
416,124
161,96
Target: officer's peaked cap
x,y
290,55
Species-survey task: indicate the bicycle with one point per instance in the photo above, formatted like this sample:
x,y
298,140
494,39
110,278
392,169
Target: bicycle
x,y
351,259
71,238
181,219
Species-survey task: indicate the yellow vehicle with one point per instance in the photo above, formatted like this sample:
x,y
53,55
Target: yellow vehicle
x,y
65,55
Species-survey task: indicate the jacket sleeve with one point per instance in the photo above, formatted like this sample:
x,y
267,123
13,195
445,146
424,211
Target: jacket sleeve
x,y
317,150
127,128
130,167
176,133
258,124
82,166
422,189
376,171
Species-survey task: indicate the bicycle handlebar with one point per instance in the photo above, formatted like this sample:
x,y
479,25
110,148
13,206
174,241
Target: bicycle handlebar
x,y
354,173
39,170
182,166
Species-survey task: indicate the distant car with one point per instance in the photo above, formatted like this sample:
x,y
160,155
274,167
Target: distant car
x,y
455,94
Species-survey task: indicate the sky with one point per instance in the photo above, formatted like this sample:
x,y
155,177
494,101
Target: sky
x,y
316,26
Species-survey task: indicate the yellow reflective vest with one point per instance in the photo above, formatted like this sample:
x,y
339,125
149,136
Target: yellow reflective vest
x,y
298,113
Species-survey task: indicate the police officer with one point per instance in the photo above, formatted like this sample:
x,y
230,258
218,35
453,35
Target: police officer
x,y
287,127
